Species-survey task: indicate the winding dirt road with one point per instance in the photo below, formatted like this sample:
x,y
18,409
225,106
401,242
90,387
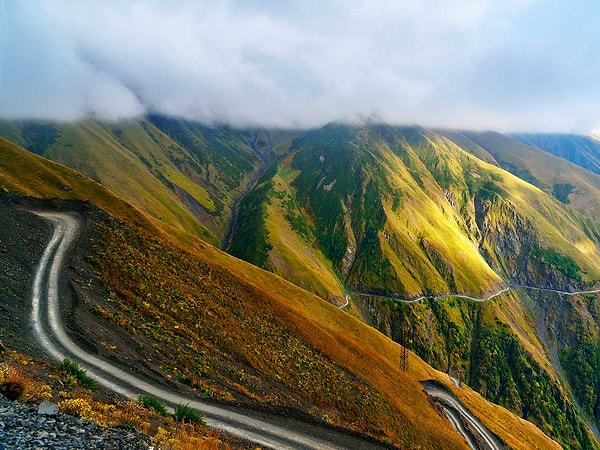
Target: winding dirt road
x,y
480,299
476,434
266,430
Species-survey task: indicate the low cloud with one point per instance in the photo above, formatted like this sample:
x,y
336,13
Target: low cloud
x,y
506,65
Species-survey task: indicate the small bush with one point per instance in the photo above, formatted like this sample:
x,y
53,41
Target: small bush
x,y
187,414
40,392
73,369
76,407
153,403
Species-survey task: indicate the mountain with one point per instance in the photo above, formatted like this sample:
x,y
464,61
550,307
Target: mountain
x,y
389,214
185,174
581,150
406,212
377,215
566,181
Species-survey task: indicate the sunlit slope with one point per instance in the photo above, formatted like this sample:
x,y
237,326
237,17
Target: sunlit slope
x,y
28,174
568,182
90,148
406,212
202,310
188,175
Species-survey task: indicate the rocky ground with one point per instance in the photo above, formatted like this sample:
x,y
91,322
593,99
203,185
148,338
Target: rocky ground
x,y
43,427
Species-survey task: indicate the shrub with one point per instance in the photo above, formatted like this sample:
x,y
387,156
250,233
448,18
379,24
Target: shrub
x,y
76,407
153,403
73,369
185,413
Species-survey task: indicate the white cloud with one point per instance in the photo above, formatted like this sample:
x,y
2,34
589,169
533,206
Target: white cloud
x,y
464,63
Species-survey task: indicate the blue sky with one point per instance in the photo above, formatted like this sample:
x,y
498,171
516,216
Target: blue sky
x,y
507,65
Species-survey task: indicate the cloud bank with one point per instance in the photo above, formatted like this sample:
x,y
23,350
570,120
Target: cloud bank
x,y
521,65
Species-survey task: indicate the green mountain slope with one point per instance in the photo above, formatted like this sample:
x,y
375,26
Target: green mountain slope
x,y
219,327
406,212
187,175
581,150
567,182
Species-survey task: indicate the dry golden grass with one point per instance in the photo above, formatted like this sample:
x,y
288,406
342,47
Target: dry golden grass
x,y
516,432
189,437
195,310
293,326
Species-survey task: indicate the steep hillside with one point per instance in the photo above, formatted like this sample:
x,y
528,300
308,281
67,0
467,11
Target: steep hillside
x,y
569,183
389,214
185,174
405,212
581,150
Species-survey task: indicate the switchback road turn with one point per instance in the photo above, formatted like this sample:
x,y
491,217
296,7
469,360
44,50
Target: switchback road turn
x,y
267,430
476,434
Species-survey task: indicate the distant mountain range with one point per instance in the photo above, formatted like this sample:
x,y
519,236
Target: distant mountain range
x,y
378,215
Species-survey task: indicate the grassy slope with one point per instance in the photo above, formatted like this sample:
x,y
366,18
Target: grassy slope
x,y
431,194
427,220
88,148
186,174
581,150
302,264
31,175
555,225
340,339
158,152
546,171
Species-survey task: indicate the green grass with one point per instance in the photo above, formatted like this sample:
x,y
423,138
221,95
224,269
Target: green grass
x,y
187,414
564,264
73,369
152,402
